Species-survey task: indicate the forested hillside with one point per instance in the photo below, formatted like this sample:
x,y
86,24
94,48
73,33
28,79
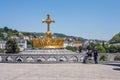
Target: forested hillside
x,y
116,38
6,33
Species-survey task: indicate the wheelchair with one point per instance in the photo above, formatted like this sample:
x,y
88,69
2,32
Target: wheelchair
x,y
88,60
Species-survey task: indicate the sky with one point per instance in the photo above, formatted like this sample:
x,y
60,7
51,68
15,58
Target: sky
x,y
90,19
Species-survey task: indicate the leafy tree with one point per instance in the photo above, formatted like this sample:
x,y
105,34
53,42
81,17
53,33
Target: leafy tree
x,y
75,48
70,48
101,49
91,46
15,31
30,42
113,49
106,48
6,29
20,35
1,36
11,46
118,49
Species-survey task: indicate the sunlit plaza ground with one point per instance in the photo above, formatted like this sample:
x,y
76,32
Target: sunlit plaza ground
x,y
69,71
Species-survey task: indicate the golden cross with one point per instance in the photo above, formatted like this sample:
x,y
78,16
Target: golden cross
x,y
48,21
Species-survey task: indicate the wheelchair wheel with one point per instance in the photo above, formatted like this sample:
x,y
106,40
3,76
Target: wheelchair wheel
x,y
89,60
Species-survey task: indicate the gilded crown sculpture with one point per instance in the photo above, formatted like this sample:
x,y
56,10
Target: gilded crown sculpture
x,y
48,41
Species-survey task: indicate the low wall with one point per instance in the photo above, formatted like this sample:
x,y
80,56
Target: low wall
x,y
55,58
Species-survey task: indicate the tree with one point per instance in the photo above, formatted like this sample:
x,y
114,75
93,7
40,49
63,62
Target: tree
x,y
20,35
91,46
101,49
1,36
106,48
30,43
70,48
113,49
118,49
11,46
6,29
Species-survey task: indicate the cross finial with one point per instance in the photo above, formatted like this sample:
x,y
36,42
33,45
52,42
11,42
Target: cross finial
x,y
48,21
48,16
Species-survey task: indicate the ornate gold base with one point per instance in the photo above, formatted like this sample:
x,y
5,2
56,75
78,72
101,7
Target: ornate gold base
x,y
48,43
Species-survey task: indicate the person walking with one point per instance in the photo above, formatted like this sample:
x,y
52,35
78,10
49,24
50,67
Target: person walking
x,y
95,52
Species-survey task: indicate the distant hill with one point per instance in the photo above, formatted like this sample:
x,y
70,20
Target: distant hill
x,y
6,32
116,38
73,37
58,35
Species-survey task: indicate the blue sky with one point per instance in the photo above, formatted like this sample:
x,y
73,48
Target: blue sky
x,y
90,19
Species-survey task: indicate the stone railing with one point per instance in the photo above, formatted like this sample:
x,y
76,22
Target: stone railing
x,y
109,57
55,58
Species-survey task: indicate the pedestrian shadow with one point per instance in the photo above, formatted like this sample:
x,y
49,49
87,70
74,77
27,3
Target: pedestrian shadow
x,y
113,64
117,69
116,65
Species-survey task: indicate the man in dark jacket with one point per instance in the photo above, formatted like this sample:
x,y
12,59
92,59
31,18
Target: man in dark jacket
x,y
95,52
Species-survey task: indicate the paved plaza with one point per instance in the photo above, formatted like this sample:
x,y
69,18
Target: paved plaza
x,y
70,71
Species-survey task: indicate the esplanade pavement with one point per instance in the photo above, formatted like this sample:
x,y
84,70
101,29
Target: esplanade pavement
x,y
71,71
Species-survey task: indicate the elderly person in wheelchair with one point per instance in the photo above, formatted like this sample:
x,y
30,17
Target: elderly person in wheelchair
x,y
88,57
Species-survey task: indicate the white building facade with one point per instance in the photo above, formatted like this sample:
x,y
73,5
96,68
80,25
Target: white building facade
x,y
22,44
2,44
